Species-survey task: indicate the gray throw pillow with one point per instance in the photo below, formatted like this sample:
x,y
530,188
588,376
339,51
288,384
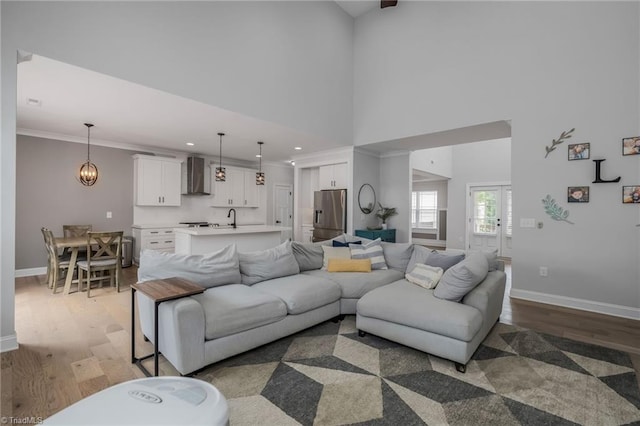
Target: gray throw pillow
x,y
397,255
460,279
264,265
444,261
208,270
308,255
419,255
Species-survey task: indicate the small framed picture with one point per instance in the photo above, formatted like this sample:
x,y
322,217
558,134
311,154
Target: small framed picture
x,y
631,146
631,194
578,194
579,151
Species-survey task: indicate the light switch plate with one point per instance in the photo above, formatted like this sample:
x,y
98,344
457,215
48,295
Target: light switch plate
x,y
526,222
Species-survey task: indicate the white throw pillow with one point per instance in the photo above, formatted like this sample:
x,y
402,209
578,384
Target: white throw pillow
x,y
334,253
425,276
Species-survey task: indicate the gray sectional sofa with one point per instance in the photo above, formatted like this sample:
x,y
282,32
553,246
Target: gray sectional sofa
x,y
256,298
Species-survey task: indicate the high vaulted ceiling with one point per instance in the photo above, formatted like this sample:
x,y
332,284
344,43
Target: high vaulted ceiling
x,y
55,99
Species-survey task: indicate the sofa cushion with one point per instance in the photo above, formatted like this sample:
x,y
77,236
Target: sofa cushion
x,y
372,251
233,308
404,303
263,265
334,253
349,265
356,284
460,279
308,255
301,293
432,258
424,275
208,270
397,255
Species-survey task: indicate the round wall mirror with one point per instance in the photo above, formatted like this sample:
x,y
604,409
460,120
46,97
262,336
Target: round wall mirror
x,y
367,198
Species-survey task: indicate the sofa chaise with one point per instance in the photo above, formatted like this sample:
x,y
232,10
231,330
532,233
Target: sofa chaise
x,y
255,298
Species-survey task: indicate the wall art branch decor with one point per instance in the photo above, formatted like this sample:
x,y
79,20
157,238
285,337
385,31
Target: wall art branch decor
x,y
554,211
631,146
563,136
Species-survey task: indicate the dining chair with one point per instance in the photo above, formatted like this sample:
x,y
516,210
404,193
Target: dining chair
x,y
71,231
56,263
104,254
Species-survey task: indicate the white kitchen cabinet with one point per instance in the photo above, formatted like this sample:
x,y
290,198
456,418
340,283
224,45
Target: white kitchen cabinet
x,y
333,176
251,190
150,237
157,180
238,190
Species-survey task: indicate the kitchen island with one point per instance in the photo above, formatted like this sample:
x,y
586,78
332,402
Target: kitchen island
x,y
207,239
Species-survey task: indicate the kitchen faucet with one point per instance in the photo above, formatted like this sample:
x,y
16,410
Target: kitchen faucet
x,y
234,217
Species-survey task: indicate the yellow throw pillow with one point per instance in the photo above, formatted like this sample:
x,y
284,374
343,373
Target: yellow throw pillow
x,y
349,265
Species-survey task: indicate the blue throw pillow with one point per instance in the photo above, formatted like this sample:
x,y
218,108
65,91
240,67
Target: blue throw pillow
x,y
339,244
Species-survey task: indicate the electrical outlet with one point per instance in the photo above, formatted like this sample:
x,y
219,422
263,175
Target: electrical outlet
x,y
109,215
544,271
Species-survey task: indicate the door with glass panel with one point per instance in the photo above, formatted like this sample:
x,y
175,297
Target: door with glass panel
x,y
489,219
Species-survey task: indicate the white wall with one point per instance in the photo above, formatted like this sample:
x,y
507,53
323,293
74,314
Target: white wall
x,y
284,62
473,163
425,67
366,169
438,161
395,191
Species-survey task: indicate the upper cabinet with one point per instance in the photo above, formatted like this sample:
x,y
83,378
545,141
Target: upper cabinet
x,y
238,190
333,176
157,180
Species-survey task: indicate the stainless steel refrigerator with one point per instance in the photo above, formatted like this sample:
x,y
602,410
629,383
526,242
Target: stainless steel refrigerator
x,y
329,214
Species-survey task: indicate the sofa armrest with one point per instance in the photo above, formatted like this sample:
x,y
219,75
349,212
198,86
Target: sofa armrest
x,y
487,296
181,328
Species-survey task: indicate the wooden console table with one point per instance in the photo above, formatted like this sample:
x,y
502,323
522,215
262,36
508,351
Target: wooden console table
x,y
158,291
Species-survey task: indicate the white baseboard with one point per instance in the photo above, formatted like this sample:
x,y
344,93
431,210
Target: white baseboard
x,y
29,272
582,304
9,343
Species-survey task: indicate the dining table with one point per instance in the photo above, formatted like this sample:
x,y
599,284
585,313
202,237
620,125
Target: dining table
x,y
73,244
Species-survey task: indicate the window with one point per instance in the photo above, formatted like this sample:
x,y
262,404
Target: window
x,y
424,209
485,212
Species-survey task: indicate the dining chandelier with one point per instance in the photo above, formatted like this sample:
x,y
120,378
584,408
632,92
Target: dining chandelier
x,y
260,173
88,173
221,175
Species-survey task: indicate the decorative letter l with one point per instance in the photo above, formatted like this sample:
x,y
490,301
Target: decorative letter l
x,y
598,179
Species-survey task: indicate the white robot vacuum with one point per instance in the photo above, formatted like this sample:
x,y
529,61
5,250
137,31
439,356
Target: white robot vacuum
x,y
151,401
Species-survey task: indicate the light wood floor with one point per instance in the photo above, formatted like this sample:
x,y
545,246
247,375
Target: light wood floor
x,y
72,346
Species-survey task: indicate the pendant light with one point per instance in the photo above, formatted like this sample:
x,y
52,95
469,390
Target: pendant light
x,y
221,175
88,173
260,173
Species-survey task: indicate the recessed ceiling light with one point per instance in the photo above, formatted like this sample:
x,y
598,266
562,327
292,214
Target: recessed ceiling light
x,y
293,163
190,144
258,156
298,148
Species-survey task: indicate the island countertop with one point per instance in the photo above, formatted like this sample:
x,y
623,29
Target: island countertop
x,y
247,229
246,238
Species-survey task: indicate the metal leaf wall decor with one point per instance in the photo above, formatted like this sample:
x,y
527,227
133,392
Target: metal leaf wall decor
x,y
554,211
555,142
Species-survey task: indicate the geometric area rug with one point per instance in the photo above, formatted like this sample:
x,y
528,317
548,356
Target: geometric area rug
x,y
328,375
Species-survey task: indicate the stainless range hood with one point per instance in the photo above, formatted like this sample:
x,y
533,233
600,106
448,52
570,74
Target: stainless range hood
x,y
196,177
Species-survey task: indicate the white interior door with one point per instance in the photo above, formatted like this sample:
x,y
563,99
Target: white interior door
x,y
489,219
283,208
